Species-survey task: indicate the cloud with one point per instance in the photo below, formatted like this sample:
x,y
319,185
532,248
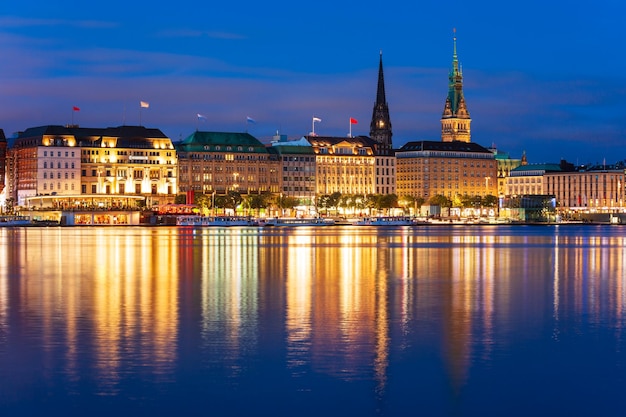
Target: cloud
x,y
190,33
7,22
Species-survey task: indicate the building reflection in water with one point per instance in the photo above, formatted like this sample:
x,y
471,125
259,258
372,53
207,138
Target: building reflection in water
x,y
109,295
229,295
343,302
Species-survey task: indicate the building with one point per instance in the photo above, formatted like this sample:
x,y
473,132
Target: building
x,y
429,168
505,165
74,167
224,161
344,164
528,179
381,133
128,160
454,166
455,120
297,161
596,188
3,159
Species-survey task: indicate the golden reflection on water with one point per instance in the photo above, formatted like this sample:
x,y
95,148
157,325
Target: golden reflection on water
x,y
342,298
110,291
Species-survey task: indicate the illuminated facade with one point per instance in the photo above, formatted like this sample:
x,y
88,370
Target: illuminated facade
x,y
344,164
505,165
3,158
297,169
455,120
430,168
223,161
600,188
128,160
76,163
529,179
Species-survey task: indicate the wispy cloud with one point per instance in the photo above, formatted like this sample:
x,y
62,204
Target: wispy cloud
x,y
22,22
190,33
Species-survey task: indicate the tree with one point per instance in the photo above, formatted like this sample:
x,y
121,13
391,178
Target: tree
x,y
232,200
180,199
333,200
440,200
204,202
490,201
406,202
255,202
323,202
286,202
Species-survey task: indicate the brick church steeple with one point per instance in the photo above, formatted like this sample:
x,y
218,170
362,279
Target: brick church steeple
x,y
380,127
455,120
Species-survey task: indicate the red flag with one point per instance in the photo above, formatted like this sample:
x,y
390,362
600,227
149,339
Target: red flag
x,y
353,121
75,108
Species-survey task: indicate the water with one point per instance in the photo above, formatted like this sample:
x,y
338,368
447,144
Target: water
x,y
335,321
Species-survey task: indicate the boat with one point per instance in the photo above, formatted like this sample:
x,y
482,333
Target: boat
x,y
385,221
223,221
296,221
6,221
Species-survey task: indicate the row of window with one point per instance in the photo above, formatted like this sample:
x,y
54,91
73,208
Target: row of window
x,y
67,153
50,175
66,164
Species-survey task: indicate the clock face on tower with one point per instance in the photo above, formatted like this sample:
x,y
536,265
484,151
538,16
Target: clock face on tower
x,y
381,124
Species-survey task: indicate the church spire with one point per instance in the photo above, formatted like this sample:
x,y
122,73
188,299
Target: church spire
x,y
380,126
455,120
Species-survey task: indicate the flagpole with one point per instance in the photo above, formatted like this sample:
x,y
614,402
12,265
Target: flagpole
x,y
350,122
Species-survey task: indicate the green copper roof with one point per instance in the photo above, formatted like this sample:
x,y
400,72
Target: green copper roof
x,y
221,142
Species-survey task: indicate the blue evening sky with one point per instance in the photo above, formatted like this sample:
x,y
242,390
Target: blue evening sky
x,y
545,77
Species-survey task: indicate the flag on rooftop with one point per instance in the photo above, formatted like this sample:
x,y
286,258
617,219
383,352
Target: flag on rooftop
x,y
74,108
353,121
144,104
317,119
250,119
201,117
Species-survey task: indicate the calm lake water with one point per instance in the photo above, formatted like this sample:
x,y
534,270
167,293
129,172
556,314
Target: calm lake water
x,y
334,321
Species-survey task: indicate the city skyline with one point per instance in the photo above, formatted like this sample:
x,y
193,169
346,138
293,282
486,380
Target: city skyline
x,y
536,80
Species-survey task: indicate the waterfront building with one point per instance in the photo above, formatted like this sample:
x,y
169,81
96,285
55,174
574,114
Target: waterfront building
x,y
344,164
455,120
505,165
381,133
297,169
3,159
219,162
595,188
73,167
429,168
454,166
529,179
128,160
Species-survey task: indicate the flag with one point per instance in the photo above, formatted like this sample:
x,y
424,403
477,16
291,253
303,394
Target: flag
x,y
353,121
250,119
317,119
144,104
201,117
75,108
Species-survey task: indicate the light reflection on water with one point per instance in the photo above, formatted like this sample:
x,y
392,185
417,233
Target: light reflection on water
x,y
163,314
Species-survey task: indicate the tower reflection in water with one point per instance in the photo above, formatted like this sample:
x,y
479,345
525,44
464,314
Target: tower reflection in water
x,y
350,303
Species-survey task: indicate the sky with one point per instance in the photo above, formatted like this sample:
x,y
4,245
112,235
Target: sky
x,y
544,78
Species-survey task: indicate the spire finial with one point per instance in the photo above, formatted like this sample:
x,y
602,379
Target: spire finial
x,y
454,42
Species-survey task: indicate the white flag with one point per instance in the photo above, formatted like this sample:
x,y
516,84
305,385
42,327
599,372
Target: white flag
x,y
144,104
317,119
